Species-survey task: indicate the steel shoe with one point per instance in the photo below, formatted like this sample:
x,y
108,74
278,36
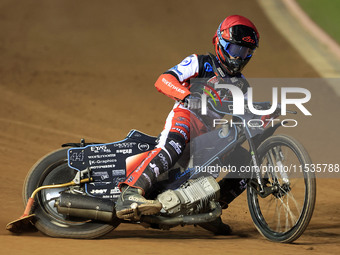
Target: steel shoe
x,y
131,204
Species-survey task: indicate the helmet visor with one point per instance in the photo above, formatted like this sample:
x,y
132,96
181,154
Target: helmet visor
x,y
235,51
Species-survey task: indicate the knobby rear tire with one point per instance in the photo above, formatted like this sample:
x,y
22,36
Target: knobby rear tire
x,y
54,167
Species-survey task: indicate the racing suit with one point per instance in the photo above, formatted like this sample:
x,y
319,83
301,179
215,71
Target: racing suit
x,y
180,124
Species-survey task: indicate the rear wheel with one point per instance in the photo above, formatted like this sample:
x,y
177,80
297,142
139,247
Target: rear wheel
x,y
53,169
285,214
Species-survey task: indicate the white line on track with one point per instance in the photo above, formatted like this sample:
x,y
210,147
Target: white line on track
x,y
322,57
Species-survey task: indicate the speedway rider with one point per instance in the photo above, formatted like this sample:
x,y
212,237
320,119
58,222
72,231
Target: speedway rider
x,y
234,42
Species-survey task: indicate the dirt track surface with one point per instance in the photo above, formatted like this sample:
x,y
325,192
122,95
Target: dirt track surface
x,y
73,69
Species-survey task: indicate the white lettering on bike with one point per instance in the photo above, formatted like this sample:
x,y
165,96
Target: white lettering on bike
x,y
125,145
98,191
94,162
101,156
77,156
143,146
97,149
124,151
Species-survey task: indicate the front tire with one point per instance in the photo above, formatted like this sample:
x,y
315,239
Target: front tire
x,y
284,215
53,169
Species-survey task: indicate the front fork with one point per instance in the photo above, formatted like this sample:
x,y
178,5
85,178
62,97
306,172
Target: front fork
x,y
257,182
255,161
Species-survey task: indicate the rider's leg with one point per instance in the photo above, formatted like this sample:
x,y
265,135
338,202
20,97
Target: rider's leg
x,y
234,183
134,188
170,147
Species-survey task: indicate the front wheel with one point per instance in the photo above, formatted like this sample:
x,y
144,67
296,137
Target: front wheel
x,y
285,214
53,169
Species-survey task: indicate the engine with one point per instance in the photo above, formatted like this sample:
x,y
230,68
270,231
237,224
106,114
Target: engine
x,y
193,197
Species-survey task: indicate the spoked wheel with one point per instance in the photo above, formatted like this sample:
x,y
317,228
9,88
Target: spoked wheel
x,y
53,169
285,214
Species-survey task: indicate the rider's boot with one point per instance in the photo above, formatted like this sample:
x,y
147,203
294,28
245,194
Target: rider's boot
x,y
217,227
131,204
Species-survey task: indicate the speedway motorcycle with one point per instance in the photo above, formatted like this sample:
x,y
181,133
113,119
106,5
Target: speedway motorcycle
x,y
71,192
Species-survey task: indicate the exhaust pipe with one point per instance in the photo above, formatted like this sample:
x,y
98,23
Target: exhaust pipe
x,y
93,208
104,210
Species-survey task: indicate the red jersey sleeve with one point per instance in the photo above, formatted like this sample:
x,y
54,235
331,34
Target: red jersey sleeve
x,y
170,86
173,82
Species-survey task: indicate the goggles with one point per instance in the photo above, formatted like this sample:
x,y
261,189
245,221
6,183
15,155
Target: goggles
x,y
238,51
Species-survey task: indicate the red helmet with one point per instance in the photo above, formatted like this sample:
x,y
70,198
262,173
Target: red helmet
x,y
235,41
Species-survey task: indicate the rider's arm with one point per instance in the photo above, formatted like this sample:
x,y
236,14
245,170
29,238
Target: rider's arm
x,y
169,85
173,82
